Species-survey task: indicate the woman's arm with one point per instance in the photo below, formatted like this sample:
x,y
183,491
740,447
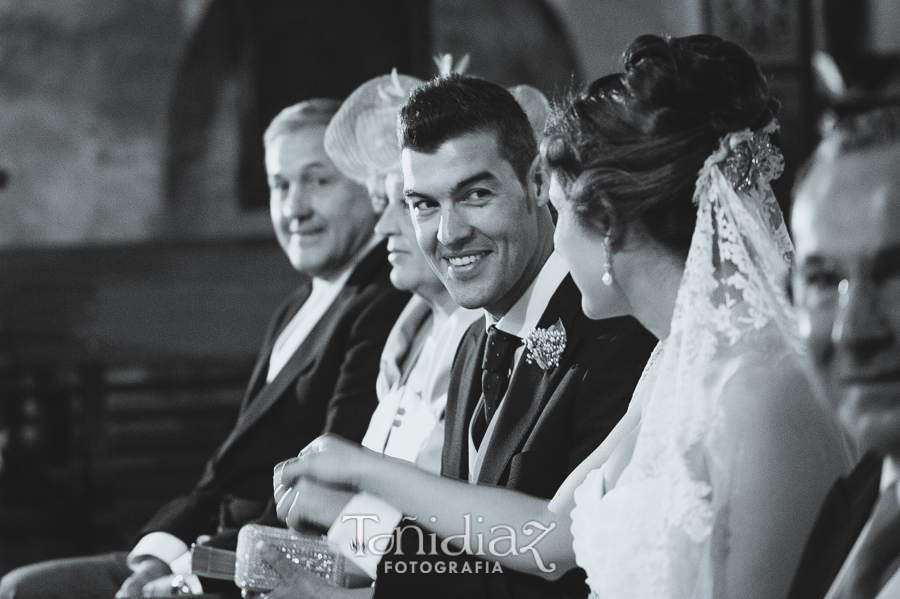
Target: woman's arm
x,y
514,529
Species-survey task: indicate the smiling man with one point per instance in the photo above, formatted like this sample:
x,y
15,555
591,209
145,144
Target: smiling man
x,y
480,210
846,223
316,373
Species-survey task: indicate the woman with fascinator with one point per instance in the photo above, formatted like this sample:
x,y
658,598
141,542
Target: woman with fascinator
x,y
361,140
709,484
414,373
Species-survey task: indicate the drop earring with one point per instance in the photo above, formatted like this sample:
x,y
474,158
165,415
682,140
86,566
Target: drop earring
x,y
607,263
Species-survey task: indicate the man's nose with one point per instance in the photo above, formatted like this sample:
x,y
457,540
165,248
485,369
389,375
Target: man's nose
x,y
859,325
296,203
454,229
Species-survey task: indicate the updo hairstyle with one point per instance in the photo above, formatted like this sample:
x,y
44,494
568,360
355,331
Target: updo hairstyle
x,y
631,146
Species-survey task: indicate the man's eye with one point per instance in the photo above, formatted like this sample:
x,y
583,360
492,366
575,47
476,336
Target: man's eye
x,y
315,180
279,186
477,195
423,205
822,280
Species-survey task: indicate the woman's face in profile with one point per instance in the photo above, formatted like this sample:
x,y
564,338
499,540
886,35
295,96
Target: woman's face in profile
x,y
411,271
584,253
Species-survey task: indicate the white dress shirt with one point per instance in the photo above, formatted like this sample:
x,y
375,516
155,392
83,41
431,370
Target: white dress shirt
x,y
310,313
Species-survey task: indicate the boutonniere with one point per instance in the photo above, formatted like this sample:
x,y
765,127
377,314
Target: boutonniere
x,y
545,346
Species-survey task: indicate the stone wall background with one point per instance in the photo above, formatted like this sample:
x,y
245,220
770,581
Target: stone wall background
x,y
86,87
83,93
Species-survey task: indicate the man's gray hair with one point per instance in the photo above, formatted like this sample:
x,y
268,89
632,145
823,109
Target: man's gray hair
x,y
856,131
878,126
309,113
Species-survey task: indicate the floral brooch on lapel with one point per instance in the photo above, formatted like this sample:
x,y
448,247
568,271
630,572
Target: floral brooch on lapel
x,y
545,346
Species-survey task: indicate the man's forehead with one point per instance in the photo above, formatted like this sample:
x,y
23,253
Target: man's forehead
x,y
454,161
850,206
298,148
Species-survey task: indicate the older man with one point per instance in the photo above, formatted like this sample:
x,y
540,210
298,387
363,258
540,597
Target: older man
x,y
846,223
315,374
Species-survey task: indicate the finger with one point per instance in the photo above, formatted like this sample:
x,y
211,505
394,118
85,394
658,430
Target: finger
x,y
129,588
332,466
317,444
284,503
276,473
316,503
280,492
292,505
161,587
293,469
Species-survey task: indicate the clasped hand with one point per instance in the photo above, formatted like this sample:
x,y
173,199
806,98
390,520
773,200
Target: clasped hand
x,y
316,485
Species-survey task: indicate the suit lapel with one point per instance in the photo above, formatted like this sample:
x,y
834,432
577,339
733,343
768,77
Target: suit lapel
x,y
256,406
302,359
854,501
843,515
531,387
463,395
260,370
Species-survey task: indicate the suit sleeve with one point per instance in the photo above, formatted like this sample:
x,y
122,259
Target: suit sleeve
x,y
337,396
353,399
587,407
614,369
195,513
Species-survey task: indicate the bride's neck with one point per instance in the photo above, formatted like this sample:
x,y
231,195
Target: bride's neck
x,y
651,285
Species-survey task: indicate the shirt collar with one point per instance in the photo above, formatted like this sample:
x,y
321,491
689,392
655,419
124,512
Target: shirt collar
x,y
523,317
321,285
890,474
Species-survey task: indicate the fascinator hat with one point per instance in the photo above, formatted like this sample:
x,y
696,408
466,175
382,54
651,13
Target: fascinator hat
x,y
361,138
535,105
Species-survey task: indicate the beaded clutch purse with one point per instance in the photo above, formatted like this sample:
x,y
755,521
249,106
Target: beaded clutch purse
x,y
253,574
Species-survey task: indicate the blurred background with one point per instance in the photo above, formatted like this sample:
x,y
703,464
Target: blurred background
x,y
137,264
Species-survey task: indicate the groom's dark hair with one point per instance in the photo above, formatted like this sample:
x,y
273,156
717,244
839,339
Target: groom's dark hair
x,y
454,106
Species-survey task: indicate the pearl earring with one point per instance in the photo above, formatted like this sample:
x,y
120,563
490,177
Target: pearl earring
x,y
607,263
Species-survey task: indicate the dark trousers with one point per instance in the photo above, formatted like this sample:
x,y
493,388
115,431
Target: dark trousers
x,y
97,576
92,577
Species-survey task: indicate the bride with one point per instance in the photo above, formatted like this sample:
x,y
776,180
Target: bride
x,y
709,484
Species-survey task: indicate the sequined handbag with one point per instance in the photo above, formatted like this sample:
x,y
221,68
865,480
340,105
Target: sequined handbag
x,y
253,574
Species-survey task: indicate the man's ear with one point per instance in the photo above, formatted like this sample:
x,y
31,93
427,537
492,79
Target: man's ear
x,y
538,183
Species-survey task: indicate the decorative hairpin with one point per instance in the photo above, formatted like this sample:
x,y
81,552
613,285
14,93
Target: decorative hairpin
x,y
752,157
445,66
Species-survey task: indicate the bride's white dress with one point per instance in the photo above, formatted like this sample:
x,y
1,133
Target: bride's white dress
x,y
712,401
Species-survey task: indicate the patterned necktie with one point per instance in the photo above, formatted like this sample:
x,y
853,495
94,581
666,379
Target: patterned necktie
x,y
875,562
498,355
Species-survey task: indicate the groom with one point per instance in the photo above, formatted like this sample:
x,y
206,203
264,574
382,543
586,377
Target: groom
x,y
846,222
482,220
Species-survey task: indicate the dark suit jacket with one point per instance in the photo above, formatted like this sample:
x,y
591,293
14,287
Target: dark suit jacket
x,y
844,514
550,422
328,385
